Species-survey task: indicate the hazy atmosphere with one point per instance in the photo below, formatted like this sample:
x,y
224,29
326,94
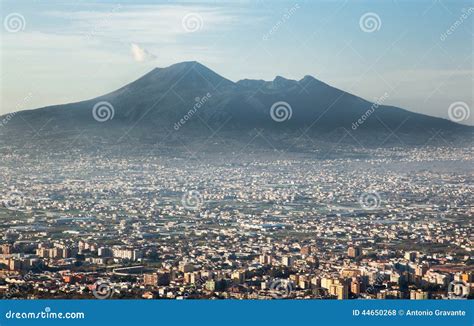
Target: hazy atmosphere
x,y
56,52
316,151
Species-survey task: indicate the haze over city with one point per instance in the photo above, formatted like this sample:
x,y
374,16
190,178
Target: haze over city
x,y
241,150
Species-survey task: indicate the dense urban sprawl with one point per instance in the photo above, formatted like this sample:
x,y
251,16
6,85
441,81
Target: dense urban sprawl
x,y
382,224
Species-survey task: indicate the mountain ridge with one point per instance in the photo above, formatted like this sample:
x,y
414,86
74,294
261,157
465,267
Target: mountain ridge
x,y
152,104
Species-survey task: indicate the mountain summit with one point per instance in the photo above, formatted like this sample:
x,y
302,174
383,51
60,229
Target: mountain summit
x,y
190,99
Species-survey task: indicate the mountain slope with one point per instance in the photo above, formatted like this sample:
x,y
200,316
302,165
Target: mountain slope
x,y
165,101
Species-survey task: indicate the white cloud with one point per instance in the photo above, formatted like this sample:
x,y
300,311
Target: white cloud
x,y
82,46
140,54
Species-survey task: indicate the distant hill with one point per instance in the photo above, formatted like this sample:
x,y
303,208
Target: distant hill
x,y
187,101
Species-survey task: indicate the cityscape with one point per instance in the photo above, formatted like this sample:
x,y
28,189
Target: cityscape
x,y
376,224
270,156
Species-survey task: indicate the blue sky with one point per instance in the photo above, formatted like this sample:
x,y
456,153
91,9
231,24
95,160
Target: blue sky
x,y
66,51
